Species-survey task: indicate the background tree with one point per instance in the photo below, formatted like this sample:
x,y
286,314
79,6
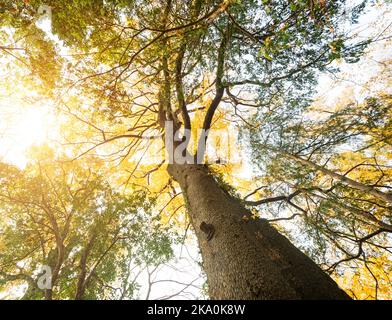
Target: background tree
x,y
333,173
66,216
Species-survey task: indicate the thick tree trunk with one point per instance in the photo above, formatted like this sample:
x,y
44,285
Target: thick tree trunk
x,y
246,258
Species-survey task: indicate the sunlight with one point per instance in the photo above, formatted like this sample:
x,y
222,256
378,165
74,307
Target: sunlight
x,y
22,127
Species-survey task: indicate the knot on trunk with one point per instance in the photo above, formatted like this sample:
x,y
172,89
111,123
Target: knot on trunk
x,y
208,229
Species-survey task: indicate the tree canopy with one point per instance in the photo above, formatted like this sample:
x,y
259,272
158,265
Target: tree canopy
x,y
218,80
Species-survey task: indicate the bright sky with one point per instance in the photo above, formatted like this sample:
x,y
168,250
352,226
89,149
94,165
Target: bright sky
x,y
24,122
377,22
21,127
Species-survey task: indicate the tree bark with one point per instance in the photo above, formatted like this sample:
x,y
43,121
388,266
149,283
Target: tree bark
x,y
246,258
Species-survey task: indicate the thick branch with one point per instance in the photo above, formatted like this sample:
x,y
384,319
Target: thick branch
x,y
219,87
350,182
180,88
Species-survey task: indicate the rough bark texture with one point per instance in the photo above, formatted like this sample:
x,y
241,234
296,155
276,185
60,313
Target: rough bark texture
x,y
246,259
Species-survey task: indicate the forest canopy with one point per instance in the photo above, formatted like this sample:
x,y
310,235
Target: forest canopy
x,y
226,149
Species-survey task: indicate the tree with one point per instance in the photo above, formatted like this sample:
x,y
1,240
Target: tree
x,y
337,180
135,69
64,216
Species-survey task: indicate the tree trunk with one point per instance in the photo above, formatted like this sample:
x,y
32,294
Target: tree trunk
x,y
246,258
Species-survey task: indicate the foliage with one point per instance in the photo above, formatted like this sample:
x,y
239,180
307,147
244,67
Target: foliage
x,y
117,69
347,224
66,216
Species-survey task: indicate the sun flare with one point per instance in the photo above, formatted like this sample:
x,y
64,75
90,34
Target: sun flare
x,y
22,127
